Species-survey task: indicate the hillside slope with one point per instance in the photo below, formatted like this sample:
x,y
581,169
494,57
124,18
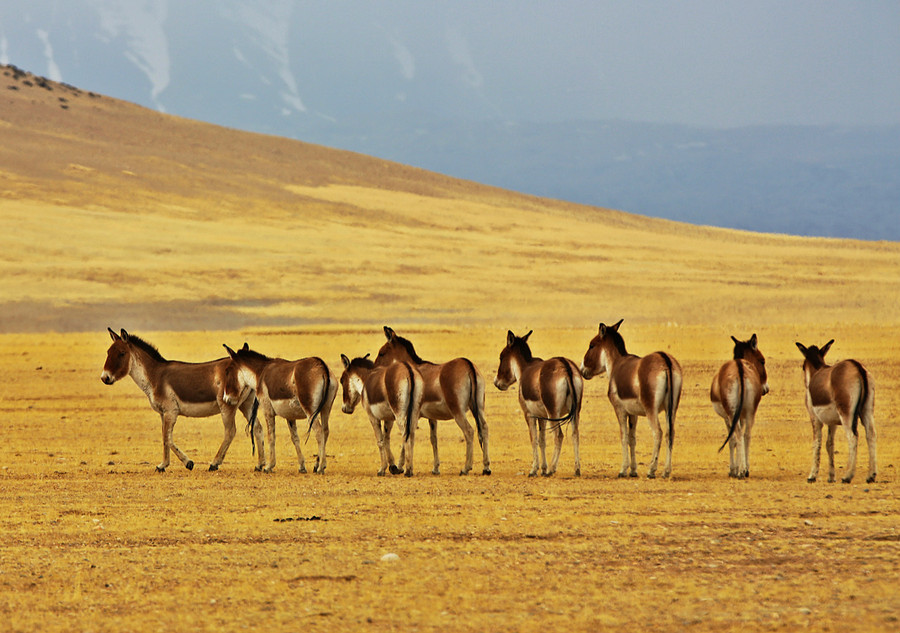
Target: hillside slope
x,y
117,215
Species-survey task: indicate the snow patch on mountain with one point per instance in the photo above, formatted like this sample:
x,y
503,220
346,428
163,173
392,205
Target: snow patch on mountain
x,y
143,27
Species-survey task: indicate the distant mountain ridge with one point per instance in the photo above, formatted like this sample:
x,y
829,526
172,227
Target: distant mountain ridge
x,y
419,99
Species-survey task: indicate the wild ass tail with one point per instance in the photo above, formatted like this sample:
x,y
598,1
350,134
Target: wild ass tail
x,y
670,401
410,404
474,388
570,385
862,399
740,404
251,424
325,387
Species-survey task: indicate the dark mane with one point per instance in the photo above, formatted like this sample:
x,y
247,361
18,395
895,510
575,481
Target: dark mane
x,y
364,362
740,349
408,346
148,348
249,354
617,340
521,345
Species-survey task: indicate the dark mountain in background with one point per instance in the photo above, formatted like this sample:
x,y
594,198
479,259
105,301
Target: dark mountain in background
x,y
427,97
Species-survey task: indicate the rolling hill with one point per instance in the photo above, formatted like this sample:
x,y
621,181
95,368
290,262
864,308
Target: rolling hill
x,y
116,214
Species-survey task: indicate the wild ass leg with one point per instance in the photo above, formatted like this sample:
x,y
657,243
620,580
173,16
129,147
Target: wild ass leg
x,y
395,468
269,416
382,439
542,444
816,450
829,448
653,419
260,445
322,435
852,446
228,414
295,439
557,431
533,436
670,442
486,459
732,456
748,428
632,443
869,424
624,436
576,425
469,435
432,426
168,426
408,444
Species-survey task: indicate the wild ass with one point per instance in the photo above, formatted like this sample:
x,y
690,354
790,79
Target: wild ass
x,y
293,389
451,389
735,394
838,395
549,391
638,386
389,394
175,388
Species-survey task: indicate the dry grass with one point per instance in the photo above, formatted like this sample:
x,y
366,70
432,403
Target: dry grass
x,y
116,216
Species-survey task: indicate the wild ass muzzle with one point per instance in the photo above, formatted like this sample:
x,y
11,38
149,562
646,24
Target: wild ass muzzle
x,y
389,394
293,389
838,395
451,389
174,388
735,394
549,392
638,386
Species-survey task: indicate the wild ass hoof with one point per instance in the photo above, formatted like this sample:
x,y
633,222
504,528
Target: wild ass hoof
x,y
394,470
213,467
189,465
408,473
870,479
487,471
810,480
303,469
651,475
622,475
258,469
846,480
380,473
160,469
633,474
533,473
578,472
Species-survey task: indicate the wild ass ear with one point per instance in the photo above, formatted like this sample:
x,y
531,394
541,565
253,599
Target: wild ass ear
x,y
603,329
525,338
510,338
345,360
230,351
615,327
366,356
826,347
389,334
801,347
113,335
736,342
124,335
752,341
246,347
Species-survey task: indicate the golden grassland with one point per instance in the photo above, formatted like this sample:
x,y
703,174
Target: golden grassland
x,y
94,539
193,236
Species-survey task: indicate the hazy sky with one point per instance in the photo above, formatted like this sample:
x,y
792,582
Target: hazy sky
x,y
700,62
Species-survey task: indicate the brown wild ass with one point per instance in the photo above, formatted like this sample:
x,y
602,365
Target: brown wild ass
x,y
389,394
293,389
838,395
735,394
638,386
175,388
549,391
451,389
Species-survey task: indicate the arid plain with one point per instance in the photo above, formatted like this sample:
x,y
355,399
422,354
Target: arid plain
x,y
193,236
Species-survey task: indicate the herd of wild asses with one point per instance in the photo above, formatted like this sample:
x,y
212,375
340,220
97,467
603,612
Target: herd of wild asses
x,y
398,386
